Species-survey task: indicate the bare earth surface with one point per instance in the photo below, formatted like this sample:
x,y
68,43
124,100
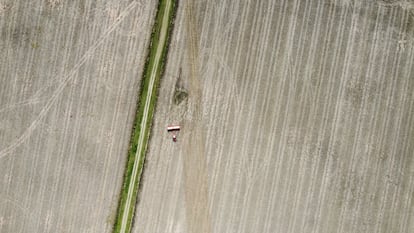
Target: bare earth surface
x,y
69,77
299,119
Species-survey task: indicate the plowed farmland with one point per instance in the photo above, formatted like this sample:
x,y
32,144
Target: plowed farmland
x,y
69,80
296,116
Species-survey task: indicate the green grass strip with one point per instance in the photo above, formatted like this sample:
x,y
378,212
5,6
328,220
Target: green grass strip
x,y
139,115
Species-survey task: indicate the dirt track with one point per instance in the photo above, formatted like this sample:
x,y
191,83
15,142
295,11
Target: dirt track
x,y
69,77
301,121
154,70
299,116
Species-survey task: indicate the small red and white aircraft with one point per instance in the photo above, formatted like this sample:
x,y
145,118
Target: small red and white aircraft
x,y
173,129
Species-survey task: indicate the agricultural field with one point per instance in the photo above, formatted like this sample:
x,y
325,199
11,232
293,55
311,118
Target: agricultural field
x,y
296,116
69,79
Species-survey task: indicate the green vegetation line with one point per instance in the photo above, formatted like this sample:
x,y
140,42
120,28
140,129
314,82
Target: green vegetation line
x,y
153,71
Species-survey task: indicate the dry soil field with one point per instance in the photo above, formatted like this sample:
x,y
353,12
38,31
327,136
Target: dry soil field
x,y
69,77
299,119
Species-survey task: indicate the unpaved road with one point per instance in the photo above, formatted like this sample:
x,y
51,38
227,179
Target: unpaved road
x,y
69,78
300,118
145,118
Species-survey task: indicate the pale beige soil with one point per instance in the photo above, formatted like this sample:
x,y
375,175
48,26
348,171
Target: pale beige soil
x,y
69,78
299,119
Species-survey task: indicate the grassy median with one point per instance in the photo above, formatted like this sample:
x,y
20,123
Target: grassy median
x,y
142,98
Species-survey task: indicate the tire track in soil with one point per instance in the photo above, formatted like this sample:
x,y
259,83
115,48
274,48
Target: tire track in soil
x,y
194,161
66,79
